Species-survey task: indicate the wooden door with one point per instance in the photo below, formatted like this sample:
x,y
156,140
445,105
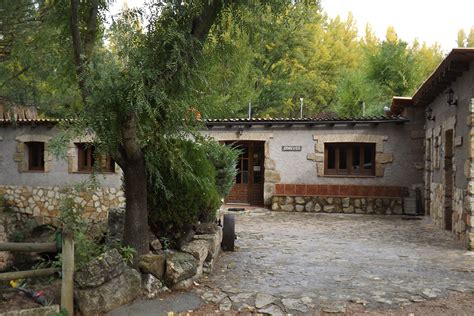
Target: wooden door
x,y
248,188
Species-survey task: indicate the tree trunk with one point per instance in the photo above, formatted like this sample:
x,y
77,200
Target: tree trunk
x,y
131,159
136,208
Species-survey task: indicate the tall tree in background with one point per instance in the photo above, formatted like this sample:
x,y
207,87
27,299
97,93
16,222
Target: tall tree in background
x,y
465,40
35,67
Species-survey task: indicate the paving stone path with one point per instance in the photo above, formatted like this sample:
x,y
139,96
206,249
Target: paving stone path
x,y
302,262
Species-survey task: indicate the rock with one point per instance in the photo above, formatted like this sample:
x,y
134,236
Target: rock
x,y
272,310
317,208
417,299
37,311
153,264
206,228
262,300
214,241
349,209
100,270
155,243
198,248
288,208
184,285
398,210
309,207
357,203
384,301
308,301
241,297
328,208
110,295
299,200
180,266
115,224
292,304
430,293
151,285
225,305
299,208
333,306
213,297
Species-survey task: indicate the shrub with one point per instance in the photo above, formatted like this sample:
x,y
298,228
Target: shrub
x,y
189,193
224,159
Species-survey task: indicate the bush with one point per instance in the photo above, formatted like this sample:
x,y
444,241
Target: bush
x,y
192,191
224,159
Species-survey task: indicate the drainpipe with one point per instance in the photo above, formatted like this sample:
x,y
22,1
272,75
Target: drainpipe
x,y
301,107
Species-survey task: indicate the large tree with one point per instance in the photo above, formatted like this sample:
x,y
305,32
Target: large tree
x,y
140,96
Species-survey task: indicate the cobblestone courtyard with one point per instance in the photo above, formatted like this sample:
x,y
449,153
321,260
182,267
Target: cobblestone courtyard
x,y
300,262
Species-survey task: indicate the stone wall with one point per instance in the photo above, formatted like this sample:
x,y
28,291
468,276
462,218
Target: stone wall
x,y
338,205
42,203
437,204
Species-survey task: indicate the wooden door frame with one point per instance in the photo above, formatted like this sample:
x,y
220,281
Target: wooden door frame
x,y
250,144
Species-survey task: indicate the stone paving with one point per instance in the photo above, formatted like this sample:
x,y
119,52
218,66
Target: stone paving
x,y
303,262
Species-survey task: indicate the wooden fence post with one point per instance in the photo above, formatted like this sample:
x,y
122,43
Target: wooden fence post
x,y
67,288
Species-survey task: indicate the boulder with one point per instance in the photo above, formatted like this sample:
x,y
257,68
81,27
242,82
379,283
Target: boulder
x,y
180,266
100,270
198,248
155,244
151,285
110,295
214,241
153,264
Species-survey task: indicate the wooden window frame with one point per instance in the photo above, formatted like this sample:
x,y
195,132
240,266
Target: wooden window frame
x,y
349,172
35,148
86,159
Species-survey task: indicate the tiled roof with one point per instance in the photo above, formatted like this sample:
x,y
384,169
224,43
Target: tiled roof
x,y
34,121
305,121
252,121
7,110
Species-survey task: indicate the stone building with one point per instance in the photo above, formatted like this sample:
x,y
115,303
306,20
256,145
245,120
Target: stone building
x,y
447,98
350,165
33,182
416,159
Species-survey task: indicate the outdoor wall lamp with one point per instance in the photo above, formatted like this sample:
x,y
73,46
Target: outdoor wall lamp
x,y
429,114
450,98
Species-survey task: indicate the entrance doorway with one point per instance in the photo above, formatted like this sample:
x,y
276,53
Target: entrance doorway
x,y
248,188
448,180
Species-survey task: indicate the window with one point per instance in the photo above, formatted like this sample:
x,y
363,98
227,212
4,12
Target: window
x,y
35,156
349,159
87,159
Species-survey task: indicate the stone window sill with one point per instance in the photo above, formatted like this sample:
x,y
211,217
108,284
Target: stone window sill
x,y
90,172
348,176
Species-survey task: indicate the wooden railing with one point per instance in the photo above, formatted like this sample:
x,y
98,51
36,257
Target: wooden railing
x,y
67,269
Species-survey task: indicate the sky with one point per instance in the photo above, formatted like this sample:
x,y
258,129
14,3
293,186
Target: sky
x,y
428,21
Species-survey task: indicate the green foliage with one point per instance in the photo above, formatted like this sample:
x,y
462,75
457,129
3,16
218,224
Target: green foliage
x,y
187,197
86,246
224,159
21,233
465,39
128,253
38,69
